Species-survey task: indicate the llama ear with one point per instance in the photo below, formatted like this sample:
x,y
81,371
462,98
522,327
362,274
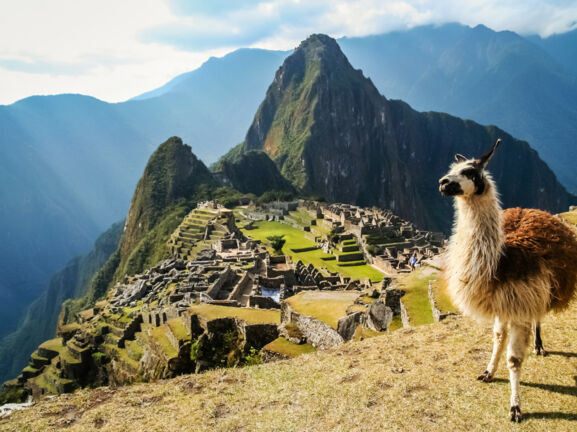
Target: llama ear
x,y
484,160
460,158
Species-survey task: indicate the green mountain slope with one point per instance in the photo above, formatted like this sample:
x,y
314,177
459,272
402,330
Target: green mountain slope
x,y
69,163
500,78
171,184
251,172
39,322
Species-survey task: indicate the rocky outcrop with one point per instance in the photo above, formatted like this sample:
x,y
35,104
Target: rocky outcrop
x,y
347,326
379,316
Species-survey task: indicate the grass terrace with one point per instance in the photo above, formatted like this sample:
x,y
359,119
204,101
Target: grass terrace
x,y
416,300
283,346
327,307
54,345
160,337
251,316
442,298
569,217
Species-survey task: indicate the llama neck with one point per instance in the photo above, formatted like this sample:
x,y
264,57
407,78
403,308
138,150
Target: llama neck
x,y
478,239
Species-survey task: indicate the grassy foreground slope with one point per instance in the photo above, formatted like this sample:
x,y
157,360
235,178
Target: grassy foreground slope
x,y
416,379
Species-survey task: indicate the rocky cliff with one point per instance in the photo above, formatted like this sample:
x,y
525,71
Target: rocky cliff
x,y
332,134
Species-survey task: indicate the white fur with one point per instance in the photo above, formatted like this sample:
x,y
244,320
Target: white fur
x,y
473,255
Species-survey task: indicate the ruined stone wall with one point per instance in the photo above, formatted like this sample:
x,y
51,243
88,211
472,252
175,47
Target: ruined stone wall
x,y
240,287
262,302
317,333
382,263
224,277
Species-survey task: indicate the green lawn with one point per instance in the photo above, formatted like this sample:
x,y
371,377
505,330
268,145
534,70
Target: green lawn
x,y
283,346
416,300
251,316
301,217
326,306
295,239
442,298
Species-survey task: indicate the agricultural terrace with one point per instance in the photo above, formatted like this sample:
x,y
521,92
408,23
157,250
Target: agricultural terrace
x,y
251,316
295,239
326,306
283,346
416,299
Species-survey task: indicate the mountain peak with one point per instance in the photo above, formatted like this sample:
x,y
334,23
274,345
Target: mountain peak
x,y
322,48
319,41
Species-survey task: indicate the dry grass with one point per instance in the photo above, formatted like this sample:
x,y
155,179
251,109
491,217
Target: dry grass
x,y
419,379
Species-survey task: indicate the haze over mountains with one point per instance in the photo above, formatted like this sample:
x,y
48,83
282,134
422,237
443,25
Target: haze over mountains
x,y
69,163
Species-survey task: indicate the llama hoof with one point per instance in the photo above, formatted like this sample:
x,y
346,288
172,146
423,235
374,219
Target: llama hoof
x,y
485,377
516,415
540,351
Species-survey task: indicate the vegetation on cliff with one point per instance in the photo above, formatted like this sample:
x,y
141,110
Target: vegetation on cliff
x,y
173,181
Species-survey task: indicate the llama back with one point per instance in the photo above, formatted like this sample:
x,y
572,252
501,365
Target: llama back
x,y
536,239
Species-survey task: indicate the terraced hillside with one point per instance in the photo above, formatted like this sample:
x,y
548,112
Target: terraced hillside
x,y
418,379
199,229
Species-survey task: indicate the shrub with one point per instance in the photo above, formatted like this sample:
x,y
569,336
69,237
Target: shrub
x,y
277,242
373,250
252,358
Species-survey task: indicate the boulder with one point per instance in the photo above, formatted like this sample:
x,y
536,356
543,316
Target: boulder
x,y
348,325
379,316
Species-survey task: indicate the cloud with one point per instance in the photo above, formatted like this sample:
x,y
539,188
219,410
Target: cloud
x,y
117,49
217,24
208,7
44,67
225,24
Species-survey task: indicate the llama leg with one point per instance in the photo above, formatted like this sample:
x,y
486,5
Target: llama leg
x,y
499,339
518,342
539,350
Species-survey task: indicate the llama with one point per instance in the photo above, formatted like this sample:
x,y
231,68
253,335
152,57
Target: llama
x,y
510,266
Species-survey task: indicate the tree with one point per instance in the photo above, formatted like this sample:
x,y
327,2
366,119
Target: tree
x,y
277,242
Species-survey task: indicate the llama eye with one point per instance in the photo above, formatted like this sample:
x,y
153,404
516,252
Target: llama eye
x,y
470,173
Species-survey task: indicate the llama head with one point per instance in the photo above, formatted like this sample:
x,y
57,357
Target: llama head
x,y
467,177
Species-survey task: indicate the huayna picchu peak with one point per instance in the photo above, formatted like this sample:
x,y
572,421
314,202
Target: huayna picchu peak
x,y
332,134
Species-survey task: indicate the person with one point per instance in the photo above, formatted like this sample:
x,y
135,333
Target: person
x,y
413,261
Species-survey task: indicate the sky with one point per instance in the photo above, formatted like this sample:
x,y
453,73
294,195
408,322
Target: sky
x,y
118,49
